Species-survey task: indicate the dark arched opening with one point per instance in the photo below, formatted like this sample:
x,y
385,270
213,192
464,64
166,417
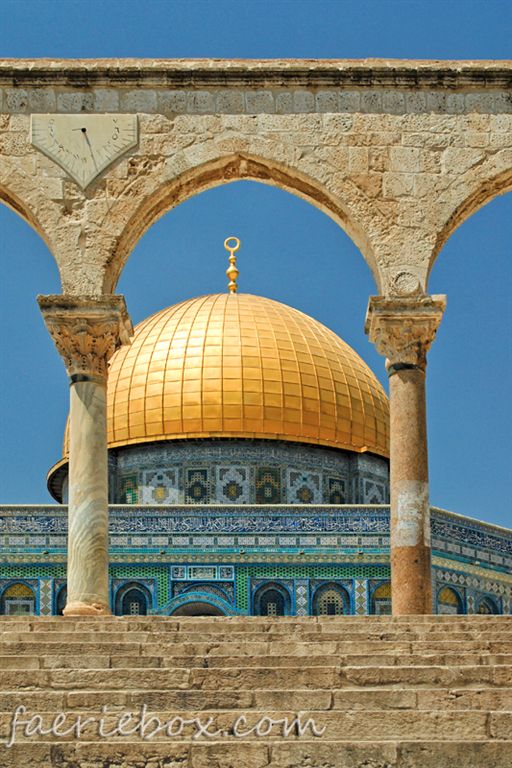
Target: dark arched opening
x,y
487,606
60,603
271,600
132,600
331,600
197,609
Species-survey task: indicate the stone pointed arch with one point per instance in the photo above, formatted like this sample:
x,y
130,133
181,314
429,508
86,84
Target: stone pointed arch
x,y
200,601
477,187
12,201
237,167
24,196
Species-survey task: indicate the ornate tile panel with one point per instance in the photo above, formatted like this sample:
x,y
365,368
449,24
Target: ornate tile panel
x,y
232,485
336,491
161,487
268,485
45,597
303,487
197,486
301,597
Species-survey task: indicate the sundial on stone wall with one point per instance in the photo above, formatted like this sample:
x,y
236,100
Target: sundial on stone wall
x,y
84,145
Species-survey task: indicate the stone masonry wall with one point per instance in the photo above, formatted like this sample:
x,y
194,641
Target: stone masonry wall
x,y
398,153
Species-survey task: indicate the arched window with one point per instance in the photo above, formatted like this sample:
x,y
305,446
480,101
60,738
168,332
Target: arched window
x,y
62,596
448,601
381,600
272,603
18,600
331,600
134,603
487,606
132,600
271,600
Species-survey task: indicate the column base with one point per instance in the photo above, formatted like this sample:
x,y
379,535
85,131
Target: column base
x,y
86,609
411,581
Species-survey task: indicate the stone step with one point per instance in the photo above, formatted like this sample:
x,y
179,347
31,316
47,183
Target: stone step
x,y
69,660
247,649
171,623
248,623
495,699
289,753
416,692
274,725
301,700
256,677
305,636
281,625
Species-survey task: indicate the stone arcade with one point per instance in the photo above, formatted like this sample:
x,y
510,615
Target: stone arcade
x,y
398,153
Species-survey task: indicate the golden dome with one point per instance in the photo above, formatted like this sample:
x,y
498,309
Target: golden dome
x,y
235,365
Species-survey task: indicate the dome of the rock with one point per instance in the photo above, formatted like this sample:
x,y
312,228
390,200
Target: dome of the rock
x,y
237,365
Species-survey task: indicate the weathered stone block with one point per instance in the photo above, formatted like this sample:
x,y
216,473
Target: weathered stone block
x,y
315,754
358,159
138,101
350,101
445,755
200,102
283,102
106,100
248,755
14,143
174,102
16,99
397,184
371,102
230,102
41,100
303,101
327,101
75,101
259,101
416,102
393,102
476,140
405,159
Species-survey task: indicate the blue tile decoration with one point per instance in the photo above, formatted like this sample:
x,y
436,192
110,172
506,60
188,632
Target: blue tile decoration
x,y
222,552
197,490
234,469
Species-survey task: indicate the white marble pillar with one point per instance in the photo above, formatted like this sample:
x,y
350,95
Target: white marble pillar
x,y
86,332
403,329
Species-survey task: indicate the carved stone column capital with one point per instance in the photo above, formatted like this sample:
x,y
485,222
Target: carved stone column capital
x,y
86,330
403,329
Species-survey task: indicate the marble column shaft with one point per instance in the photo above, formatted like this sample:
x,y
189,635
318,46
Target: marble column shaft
x,y
403,329
86,332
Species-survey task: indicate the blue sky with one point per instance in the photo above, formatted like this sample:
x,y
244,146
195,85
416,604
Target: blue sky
x,y
286,243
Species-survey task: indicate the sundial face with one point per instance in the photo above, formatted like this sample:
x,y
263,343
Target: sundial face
x,y
84,145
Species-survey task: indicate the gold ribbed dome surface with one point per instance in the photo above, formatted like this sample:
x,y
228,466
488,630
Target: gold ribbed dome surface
x,y
237,365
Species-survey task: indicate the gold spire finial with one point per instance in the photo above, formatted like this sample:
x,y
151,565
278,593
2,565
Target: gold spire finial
x,y
232,271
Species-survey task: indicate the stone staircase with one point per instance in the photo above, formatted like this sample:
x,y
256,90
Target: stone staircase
x,y
335,692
